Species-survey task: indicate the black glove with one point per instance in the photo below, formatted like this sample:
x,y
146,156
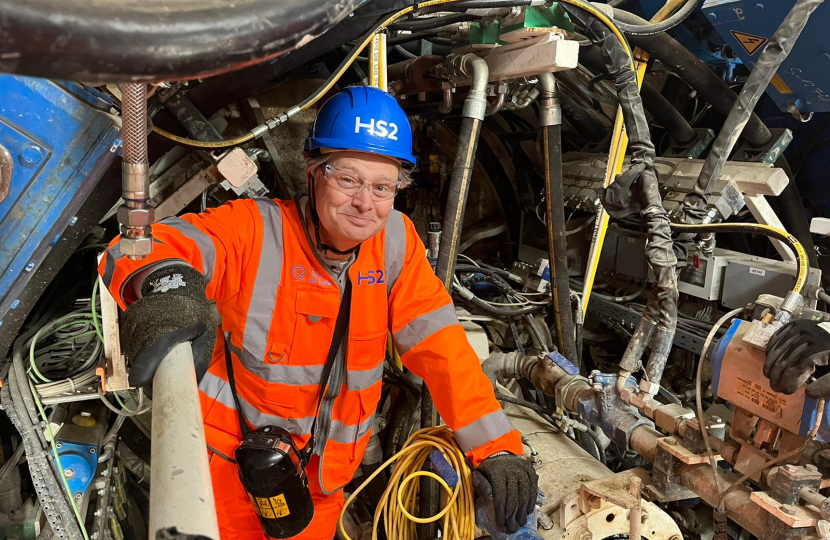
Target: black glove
x,y
173,310
513,483
793,353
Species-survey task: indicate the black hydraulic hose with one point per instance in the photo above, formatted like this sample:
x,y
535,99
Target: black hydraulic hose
x,y
484,4
475,106
419,25
636,191
650,29
773,55
557,242
131,42
711,88
666,115
462,169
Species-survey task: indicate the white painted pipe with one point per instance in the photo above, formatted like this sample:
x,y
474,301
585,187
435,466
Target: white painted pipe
x,y
181,493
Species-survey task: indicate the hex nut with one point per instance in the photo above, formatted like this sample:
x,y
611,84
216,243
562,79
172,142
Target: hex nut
x,y
136,217
825,509
133,247
649,387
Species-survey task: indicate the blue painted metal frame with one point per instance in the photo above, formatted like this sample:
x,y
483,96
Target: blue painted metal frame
x,y
806,71
61,148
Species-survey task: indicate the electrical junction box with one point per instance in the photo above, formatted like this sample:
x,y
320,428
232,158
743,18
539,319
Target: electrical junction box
x,y
738,377
702,277
803,80
746,278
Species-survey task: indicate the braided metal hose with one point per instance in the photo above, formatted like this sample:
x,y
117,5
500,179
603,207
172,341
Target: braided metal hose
x,y
134,126
136,216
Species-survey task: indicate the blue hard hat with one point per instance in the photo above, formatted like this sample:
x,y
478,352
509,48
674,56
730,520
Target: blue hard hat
x,y
363,119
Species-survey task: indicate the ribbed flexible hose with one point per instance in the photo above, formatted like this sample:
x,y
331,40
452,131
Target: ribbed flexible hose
x,y
398,505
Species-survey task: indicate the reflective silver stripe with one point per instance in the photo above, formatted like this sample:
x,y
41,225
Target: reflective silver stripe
x,y
483,430
203,241
363,379
113,254
424,326
304,375
394,248
346,434
261,308
220,390
217,389
279,373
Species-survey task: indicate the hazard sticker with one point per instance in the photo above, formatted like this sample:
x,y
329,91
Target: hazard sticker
x,y
750,43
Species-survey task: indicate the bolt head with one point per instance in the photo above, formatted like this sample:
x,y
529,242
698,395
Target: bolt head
x,y
69,473
92,450
810,467
59,445
30,156
79,495
671,440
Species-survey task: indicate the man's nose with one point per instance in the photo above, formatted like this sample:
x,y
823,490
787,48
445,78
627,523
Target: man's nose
x,y
363,200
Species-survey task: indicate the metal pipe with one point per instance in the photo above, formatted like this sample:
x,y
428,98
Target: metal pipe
x,y
446,103
635,514
700,480
497,106
550,118
181,495
136,215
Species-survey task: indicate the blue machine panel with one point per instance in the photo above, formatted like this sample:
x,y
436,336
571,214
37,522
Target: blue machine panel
x,y
804,77
60,147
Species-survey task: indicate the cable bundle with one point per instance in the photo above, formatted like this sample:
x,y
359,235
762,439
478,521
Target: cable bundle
x,y
399,501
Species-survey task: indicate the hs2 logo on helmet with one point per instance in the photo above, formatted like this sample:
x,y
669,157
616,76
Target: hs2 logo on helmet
x,y
377,128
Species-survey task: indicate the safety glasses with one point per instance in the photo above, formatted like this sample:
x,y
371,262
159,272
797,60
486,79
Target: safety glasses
x,y
351,184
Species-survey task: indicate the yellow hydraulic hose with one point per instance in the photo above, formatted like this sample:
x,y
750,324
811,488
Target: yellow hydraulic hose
x,y
352,56
803,265
399,502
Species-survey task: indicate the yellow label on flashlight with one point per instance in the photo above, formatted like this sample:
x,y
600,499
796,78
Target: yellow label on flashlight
x,y
280,506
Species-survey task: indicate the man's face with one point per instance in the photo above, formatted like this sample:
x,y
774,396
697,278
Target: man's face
x,y
349,220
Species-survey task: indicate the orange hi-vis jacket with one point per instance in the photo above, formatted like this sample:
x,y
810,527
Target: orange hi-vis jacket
x,y
279,304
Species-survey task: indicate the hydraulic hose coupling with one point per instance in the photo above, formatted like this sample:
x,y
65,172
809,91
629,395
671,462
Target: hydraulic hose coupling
x,y
470,65
550,112
789,306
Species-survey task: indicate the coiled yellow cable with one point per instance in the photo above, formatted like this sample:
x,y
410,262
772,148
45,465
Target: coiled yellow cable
x,y
400,499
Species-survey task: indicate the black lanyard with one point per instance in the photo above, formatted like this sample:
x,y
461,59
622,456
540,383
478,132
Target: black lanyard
x,y
340,328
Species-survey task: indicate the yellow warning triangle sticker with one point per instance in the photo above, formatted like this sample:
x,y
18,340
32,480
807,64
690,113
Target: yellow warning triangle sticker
x,y
750,43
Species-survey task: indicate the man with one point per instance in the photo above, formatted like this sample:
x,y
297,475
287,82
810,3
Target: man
x,y
277,272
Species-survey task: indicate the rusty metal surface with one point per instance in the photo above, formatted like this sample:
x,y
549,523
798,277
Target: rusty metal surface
x,y
790,514
741,382
673,446
615,489
6,169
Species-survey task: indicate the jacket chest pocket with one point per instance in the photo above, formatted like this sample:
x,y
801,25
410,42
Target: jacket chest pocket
x,y
315,314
